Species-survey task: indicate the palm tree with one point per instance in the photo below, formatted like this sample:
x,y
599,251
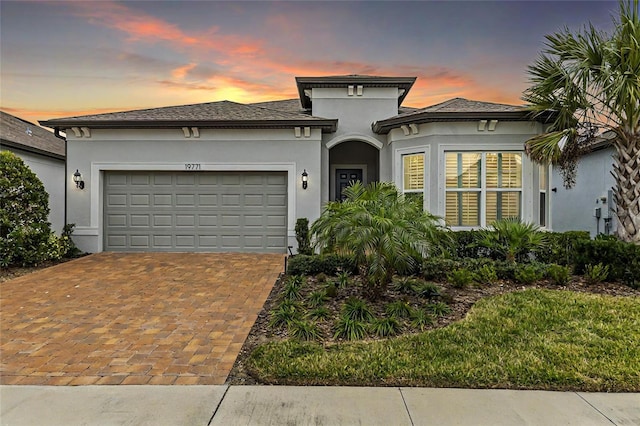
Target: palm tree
x,y
589,85
384,231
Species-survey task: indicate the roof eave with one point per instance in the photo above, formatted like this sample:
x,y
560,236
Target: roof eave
x,y
327,125
304,83
32,149
385,126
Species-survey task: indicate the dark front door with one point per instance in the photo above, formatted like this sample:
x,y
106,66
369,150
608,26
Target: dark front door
x,y
344,178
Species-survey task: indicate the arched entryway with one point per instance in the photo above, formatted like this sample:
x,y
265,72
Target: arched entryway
x,y
349,161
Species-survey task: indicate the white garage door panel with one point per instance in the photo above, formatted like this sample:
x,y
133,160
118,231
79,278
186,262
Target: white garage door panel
x,y
201,211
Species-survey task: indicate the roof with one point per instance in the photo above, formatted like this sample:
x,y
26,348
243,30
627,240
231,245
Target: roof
x,y
456,109
305,83
18,133
290,105
223,114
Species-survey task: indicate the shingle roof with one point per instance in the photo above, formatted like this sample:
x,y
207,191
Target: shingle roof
x,y
290,105
224,114
19,133
455,109
465,105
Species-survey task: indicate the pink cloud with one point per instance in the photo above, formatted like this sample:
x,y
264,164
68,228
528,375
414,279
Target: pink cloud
x,y
182,71
139,26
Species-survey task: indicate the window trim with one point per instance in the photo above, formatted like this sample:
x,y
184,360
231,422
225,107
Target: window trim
x,y
398,172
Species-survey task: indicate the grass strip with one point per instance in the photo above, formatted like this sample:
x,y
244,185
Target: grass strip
x,y
532,339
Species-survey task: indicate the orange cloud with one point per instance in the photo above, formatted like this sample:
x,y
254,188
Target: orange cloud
x,y
140,26
181,72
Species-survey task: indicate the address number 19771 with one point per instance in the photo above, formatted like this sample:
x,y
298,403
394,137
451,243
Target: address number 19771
x,y
192,166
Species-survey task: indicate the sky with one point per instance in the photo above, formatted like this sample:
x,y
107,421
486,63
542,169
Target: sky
x,y
67,58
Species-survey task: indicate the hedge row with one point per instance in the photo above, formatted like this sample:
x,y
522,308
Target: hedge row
x,y
574,249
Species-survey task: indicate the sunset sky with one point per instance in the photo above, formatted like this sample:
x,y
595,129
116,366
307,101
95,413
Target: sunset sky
x,y
61,59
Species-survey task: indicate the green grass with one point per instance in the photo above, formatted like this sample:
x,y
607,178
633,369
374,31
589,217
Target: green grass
x,y
534,339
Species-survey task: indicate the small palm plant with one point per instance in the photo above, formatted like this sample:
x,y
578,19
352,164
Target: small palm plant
x,y
381,229
511,239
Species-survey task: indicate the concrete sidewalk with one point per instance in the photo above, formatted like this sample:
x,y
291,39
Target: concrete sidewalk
x,y
284,405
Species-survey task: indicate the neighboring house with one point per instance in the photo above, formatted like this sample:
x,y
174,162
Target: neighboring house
x,y
588,205
44,153
225,176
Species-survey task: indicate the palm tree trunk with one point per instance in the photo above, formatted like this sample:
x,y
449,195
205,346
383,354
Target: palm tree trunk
x,y
626,194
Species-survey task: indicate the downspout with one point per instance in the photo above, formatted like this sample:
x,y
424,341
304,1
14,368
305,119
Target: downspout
x,y
56,133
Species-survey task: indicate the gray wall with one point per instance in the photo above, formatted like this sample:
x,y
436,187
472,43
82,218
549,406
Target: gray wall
x,y
51,172
573,209
436,138
355,114
168,149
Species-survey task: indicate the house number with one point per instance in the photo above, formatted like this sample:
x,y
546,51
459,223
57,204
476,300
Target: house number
x,y
192,166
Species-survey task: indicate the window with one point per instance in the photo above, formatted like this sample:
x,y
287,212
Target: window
x,y
482,187
543,182
413,176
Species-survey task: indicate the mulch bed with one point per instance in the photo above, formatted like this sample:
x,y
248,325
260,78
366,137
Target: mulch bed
x,y
459,300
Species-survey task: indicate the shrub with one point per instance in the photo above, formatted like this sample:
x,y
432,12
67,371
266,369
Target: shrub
x,y
622,258
439,309
343,279
466,245
304,330
303,237
317,298
398,309
384,327
560,247
460,278
328,264
350,329
511,239
421,319
331,290
505,270
356,309
25,232
384,231
528,274
321,278
285,313
558,274
319,313
292,287
405,284
427,290
437,268
66,244
595,274
486,274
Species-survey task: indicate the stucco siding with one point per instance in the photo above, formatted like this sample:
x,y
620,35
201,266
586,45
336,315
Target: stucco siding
x,y
165,150
574,209
437,138
51,172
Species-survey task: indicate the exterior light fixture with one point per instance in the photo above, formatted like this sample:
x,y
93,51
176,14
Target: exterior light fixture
x,y
77,178
305,178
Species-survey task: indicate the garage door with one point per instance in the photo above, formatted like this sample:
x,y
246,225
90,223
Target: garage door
x,y
195,211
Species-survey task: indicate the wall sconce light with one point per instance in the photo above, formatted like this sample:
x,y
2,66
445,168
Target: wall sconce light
x,y
77,178
305,178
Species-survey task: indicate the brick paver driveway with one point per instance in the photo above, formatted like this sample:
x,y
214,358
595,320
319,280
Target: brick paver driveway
x,y
149,318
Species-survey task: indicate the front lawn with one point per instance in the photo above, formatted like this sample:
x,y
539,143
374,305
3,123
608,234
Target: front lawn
x,y
531,339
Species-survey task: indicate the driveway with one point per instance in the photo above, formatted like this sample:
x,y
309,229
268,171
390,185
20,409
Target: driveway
x,y
125,318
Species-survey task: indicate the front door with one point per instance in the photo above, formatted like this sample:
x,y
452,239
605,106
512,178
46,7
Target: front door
x,y
344,178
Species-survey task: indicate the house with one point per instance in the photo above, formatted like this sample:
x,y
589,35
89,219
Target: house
x,y
588,205
224,176
44,154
